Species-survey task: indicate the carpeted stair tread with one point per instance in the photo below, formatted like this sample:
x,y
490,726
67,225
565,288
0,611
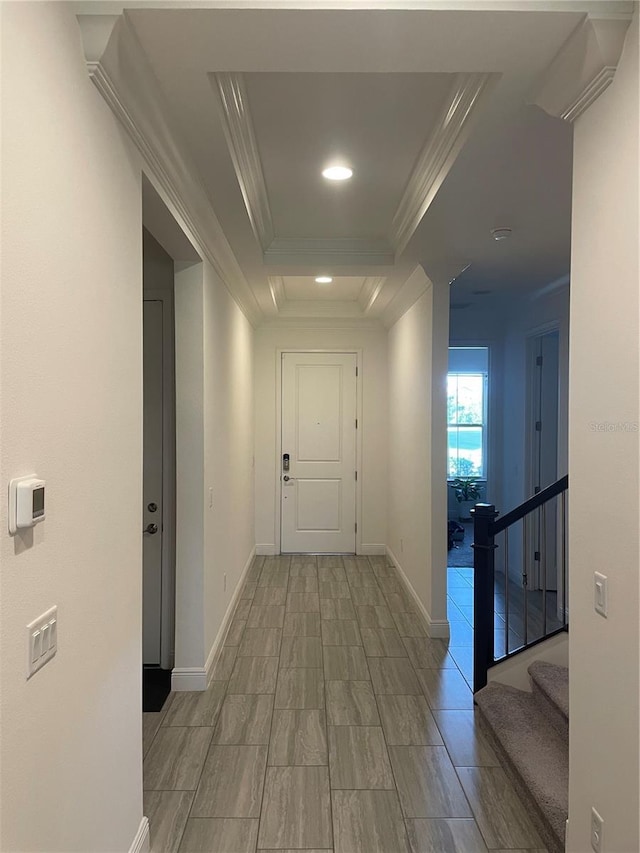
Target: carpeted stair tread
x,y
536,756
553,681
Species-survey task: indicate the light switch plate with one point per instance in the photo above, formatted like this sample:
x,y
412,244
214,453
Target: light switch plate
x,y
601,593
45,627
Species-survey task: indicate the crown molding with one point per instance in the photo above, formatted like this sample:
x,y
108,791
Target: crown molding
x,y
408,294
370,291
118,67
276,288
583,67
323,324
449,133
241,140
305,308
338,252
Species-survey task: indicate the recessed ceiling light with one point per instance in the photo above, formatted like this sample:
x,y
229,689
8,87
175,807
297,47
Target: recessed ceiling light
x,y
500,233
323,279
337,173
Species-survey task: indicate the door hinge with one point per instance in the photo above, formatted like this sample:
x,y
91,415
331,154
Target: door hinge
x,y
356,371
538,426
356,423
536,556
539,361
356,526
356,475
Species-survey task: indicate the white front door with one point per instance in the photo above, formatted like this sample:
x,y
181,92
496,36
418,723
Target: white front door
x,y
152,482
318,483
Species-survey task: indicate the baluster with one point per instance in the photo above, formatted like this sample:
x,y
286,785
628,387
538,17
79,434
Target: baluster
x,y
525,522
564,559
543,555
506,590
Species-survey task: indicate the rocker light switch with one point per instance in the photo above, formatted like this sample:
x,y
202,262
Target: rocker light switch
x,y
600,593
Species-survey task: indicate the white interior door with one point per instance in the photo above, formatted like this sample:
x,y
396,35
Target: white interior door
x,y
544,463
318,491
152,482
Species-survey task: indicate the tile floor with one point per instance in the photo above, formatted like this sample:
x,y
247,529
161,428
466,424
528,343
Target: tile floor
x,y
332,723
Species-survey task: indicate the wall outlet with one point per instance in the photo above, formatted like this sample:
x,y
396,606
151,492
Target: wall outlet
x,y
597,827
224,580
210,497
42,640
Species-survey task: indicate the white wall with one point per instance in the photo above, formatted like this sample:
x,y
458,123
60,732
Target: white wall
x,y
214,437
417,450
372,477
71,410
228,449
603,465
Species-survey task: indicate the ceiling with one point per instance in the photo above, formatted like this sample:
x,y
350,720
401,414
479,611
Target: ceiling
x,y
430,109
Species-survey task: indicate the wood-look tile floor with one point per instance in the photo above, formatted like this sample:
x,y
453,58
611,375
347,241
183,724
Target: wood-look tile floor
x,y
332,723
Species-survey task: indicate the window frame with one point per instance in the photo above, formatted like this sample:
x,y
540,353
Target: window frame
x,y
482,426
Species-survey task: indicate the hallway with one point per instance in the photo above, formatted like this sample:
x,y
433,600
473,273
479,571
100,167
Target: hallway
x,y
332,723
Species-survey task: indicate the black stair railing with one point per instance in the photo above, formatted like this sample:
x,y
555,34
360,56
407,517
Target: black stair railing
x,y
514,610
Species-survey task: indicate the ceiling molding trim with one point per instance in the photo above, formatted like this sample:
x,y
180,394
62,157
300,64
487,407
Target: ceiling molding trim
x,y
276,288
406,297
238,129
321,308
370,291
438,155
583,67
552,287
338,252
126,82
323,324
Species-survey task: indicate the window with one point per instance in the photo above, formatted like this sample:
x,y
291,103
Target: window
x,y
466,414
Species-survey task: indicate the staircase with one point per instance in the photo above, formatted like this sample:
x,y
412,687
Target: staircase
x,y
530,732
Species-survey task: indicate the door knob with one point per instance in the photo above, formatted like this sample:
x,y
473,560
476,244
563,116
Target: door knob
x,y
152,507
151,529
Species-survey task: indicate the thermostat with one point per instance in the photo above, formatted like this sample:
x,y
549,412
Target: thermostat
x,y
26,502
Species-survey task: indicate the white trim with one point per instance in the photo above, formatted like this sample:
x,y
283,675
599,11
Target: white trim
x,y
266,550
343,251
359,411
276,288
218,643
188,678
371,290
436,628
583,68
243,147
450,131
142,842
370,549
171,168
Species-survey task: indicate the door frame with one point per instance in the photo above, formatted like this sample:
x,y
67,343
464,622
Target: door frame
x,y
532,336
277,467
168,574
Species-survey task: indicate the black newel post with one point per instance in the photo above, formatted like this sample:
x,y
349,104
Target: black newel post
x,y
483,582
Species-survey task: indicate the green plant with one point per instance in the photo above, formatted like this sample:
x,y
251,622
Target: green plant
x,y
467,488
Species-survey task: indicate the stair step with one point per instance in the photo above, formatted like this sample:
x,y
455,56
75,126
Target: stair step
x,y
534,754
550,684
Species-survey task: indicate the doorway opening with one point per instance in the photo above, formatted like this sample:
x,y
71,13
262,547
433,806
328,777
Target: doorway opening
x,y
467,443
159,486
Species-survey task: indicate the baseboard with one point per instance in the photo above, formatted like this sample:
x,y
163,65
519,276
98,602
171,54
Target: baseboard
x,y
266,550
188,678
370,549
141,843
436,628
218,643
